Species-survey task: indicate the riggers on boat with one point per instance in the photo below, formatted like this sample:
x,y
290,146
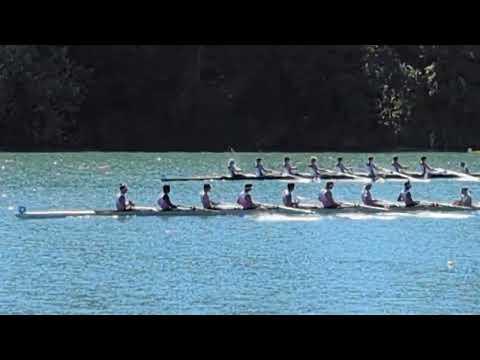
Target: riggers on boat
x,y
335,176
271,209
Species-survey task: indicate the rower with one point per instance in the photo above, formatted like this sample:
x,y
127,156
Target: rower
x,y
205,198
397,166
288,168
367,198
326,197
465,200
406,197
424,167
313,165
341,167
163,200
122,203
464,167
260,170
372,169
234,171
245,199
288,198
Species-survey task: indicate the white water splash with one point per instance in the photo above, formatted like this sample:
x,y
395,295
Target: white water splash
x,y
440,215
283,218
356,216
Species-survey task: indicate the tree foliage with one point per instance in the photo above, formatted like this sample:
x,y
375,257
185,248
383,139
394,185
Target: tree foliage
x,y
344,97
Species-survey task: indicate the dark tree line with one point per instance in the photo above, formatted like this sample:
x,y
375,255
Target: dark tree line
x,y
371,97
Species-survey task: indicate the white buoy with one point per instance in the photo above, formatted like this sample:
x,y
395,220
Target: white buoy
x,y
469,150
450,264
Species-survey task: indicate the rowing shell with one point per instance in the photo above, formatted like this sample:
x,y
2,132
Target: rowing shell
x,y
150,211
336,176
306,210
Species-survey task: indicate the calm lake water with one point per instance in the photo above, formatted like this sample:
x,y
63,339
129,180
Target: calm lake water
x,y
355,264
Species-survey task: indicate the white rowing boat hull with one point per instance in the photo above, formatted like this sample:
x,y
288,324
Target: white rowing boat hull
x,y
144,211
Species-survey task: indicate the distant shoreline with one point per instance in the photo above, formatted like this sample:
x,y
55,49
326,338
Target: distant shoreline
x,y
400,150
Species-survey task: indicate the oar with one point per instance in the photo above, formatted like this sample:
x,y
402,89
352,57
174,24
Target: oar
x,y
366,206
461,175
379,179
343,174
399,174
273,207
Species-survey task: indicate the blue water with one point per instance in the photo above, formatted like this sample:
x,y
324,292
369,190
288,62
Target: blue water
x,y
350,264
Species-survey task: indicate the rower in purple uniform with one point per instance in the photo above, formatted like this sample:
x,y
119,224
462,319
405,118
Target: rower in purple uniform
x,y
205,198
368,199
122,203
326,197
163,200
245,199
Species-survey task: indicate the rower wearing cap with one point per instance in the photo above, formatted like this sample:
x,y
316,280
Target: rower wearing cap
x,y
122,203
406,197
326,197
245,199
163,200
464,167
372,169
313,165
341,167
288,168
424,167
368,199
205,198
260,170
235,172
465,200
397,166
288,198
